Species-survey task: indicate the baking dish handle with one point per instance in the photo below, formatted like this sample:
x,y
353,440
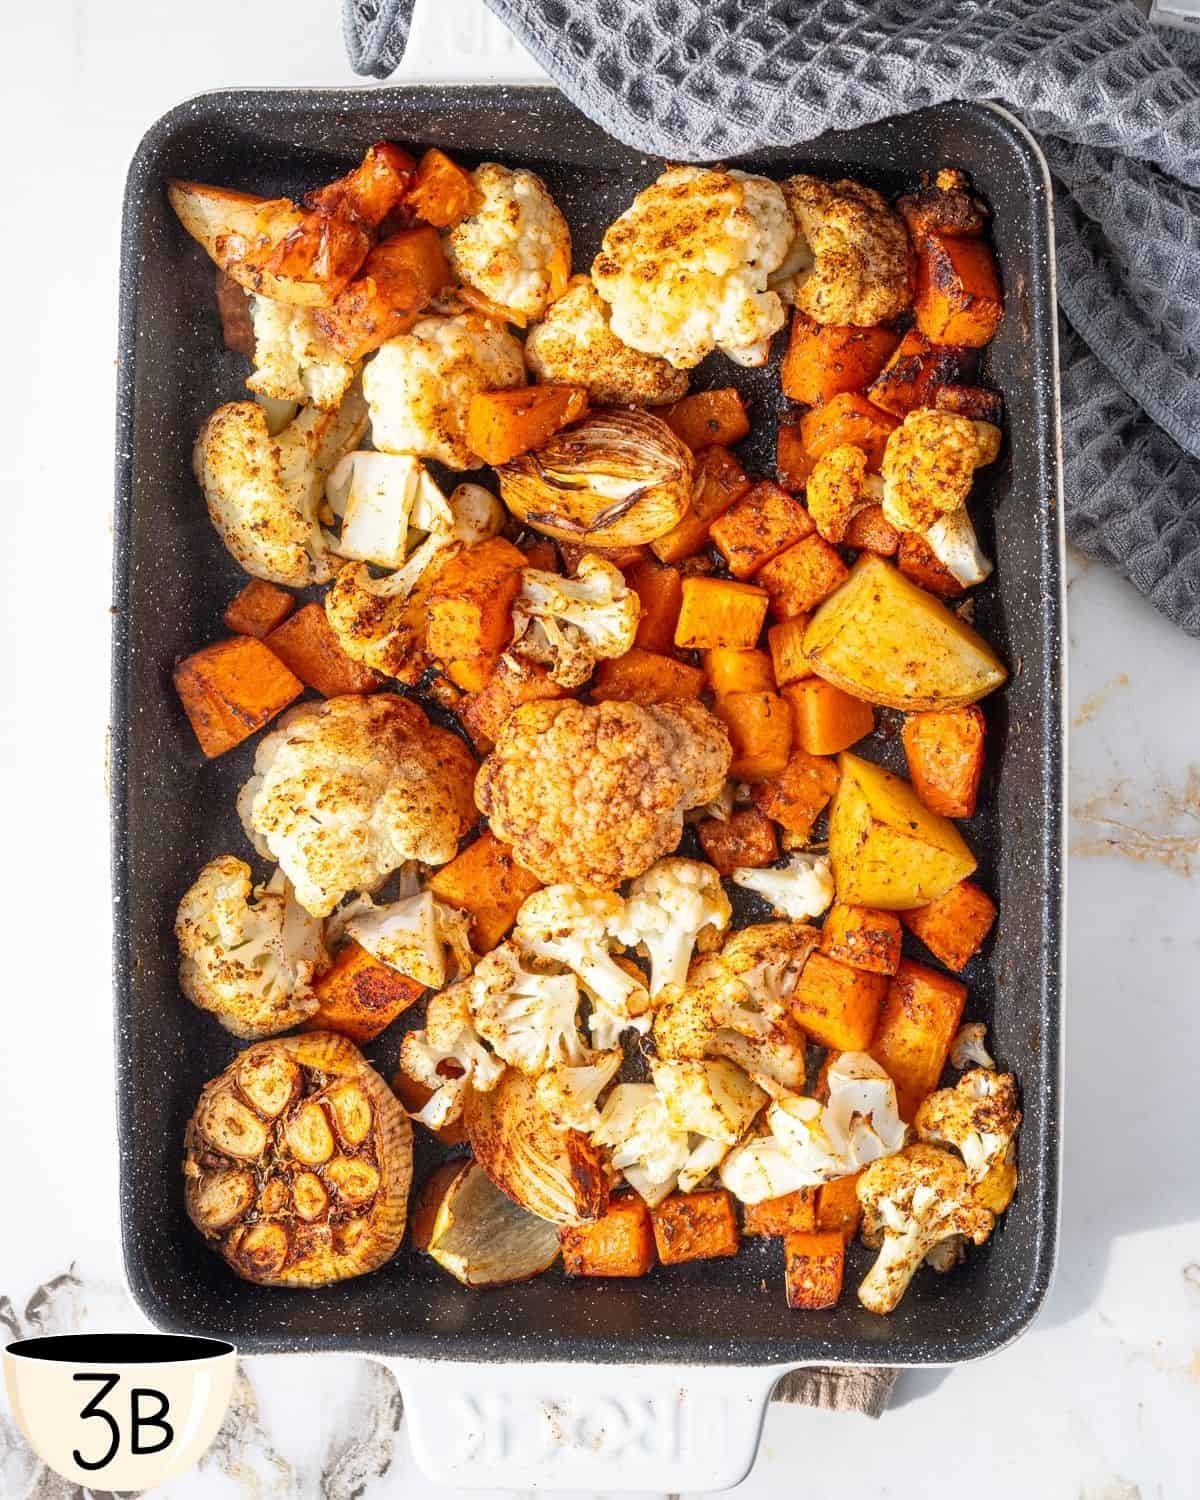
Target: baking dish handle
x,y
584,1427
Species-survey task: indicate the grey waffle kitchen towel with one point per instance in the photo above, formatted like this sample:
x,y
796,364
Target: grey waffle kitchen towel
x,y
1116,106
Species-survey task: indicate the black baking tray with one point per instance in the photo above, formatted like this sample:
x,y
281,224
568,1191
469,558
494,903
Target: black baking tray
x,y
171,811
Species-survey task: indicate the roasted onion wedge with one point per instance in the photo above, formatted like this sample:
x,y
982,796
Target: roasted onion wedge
x,y
557,1175
298,1161
483,1238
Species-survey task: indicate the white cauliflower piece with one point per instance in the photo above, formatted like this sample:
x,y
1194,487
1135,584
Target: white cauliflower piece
x,y
569,624
387,503
576,345
264,493
515,248
802,888
412,935
448,1056
759,1169
685,268
970,1046
419,386
569,1093
293,360
250,962
978,1118
645,1145
668,910
712,1098
476,514
850,261
529,1017
953,541
347,790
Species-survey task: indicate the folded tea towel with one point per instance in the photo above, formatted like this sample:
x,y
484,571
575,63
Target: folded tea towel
x,y
840,1388
1116,106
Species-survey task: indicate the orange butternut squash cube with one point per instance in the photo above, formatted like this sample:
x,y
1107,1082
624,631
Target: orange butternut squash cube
x,y
759,726
258,609
360,997
720,612
504,424
443,193
958,298
306,644
514,681
800,793
779,1216
708,417
917,560
660,592
945,748
744,840
231,689
486,881
814,1262
852,419
645,677
739,671
954,926
392,288
827,719
974,401
793,462
915,373
541,553
824,360
621,1243
762,524
799,579
695,1226
786,642
917,1024
838,1208
863,938
838,1006
870,531
717,482
469,606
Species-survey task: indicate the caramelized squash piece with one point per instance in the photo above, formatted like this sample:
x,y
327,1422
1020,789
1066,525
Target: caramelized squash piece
x,y
759,526
717,482
503,424
779,1216
797,796
360,997
813,1265
918,1023
793,462
824,360
745,840
306,643
759,726
862,937
954,926
915,373
443,193
958,298
825,718
717,612
945,750
838,1006
800,578
486,881
695,1226
660,593
852,419
230,689
258,609
708,417
620,1243
645,677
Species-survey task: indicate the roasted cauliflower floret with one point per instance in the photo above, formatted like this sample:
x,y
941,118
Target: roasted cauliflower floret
x,y
646,1146
417,936
575,344
578,928
978,1117
759,1168
345,791
676,905
857,269
569,1093
592,795
516,247
970,1046
448,1056
802,888
709,1097
293,360
569,624
264,493
686,267
527,1013
915,1199
838,487
249,961
419,386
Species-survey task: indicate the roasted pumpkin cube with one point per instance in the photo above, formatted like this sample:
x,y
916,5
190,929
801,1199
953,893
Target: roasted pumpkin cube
x,y
786,642
958,298
469,606
918,561
762,524
852,419
797,796
945,748
443,193
720,612
870,531
231,689
954,926
718,481
621,1243
695,1226
973,401
514,681
814,1261
917,1024
825,718
759,726
708,417
780,1216
793,462
838,1208
486,881
541,553
306,643
660,593
916,372
744,840
801,577
393,287
502,425
259,608
739,671
645,677
862,937
838,1006
824,360
360,997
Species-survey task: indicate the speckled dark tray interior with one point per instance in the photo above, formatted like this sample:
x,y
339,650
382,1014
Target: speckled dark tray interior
x,y
172,811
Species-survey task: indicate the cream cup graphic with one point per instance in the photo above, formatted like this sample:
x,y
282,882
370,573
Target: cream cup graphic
x,y
119,1411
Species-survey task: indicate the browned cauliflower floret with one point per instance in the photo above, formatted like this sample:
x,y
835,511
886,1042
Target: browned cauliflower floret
x,y
978,1117
839,486
591,795
929,464
859,264
575,343
346,791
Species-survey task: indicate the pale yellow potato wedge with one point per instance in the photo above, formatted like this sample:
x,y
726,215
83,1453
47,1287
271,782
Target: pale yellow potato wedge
x,y
887,849
882,638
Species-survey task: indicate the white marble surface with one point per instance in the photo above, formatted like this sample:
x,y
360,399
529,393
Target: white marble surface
x,y
1100,1401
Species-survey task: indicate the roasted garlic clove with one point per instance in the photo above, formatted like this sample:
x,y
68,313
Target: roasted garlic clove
x,y
269,1081
308,1135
